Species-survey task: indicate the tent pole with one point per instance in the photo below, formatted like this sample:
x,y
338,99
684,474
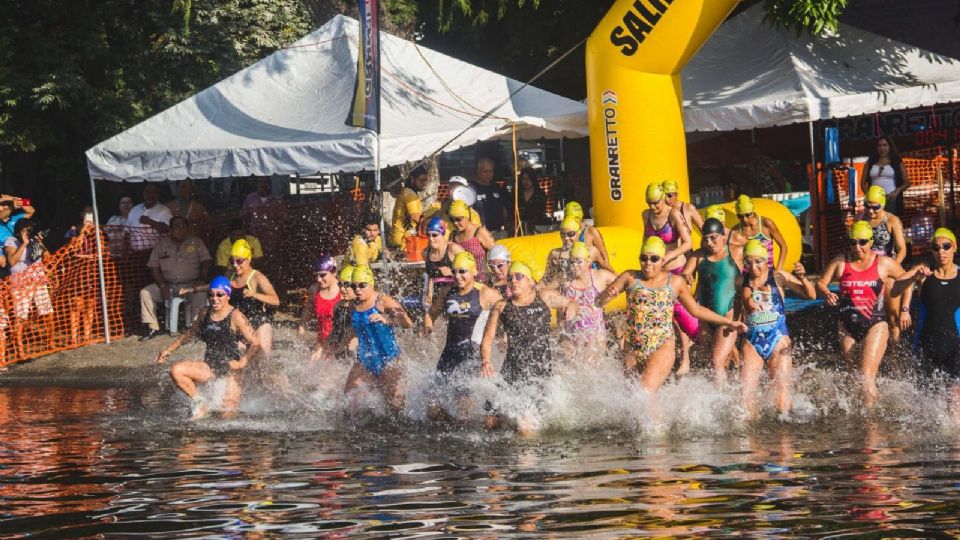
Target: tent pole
x,y
103,281
813,188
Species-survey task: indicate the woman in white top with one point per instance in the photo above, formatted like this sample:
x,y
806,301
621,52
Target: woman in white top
x,y
885,169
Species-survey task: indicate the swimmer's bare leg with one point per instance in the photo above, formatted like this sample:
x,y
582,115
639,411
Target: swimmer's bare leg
x,y
186,374
749,380
780,367
874,347
685,344
231,394
391,385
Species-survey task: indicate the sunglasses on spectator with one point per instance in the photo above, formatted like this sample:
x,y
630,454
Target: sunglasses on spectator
x,y
212,294
461,271
858,242
650,258
747,215
237,261
568,234
874,207
360,286
946,246
516,276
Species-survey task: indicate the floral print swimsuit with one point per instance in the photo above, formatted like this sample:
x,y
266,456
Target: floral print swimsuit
x,y
649,317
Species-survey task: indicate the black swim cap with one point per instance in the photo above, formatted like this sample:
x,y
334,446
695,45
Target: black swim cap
x,y
712,226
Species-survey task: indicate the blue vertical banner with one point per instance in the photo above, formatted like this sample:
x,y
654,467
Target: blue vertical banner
x,y
365,109
831,157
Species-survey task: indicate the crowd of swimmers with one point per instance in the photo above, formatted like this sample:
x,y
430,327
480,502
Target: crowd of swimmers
x,y
489,301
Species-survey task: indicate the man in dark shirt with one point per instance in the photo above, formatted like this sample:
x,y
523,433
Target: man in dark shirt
x,y
495,205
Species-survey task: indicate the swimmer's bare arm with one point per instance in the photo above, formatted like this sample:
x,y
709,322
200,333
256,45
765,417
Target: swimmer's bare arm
x,y
486,239
191,333
905,282
489,297
553,262
597,240
684,245
797,281
738,299
307,312
490,334
690,268
695,218
242,326
435,311
614,289
889,268
774,233
698,311
896,230
397,315
829,275
265,292
555,300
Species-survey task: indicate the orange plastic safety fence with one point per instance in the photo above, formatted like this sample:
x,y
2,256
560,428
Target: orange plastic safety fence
x,y
921,202
54,304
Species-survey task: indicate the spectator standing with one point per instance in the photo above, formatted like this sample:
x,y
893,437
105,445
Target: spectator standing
x,y
28,280
124,206
885,169
493,203
237,231
148,220
367,246
186,204
180,265
532,200
265,215
115,227
408,208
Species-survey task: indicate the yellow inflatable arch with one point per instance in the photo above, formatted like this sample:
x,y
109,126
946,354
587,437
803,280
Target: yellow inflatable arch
x,y
633,62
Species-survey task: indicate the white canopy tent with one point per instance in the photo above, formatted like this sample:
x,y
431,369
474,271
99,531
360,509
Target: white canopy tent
x,y
751,75
286,114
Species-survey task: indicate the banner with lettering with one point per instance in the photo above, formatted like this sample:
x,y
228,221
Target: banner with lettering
x,y
365,109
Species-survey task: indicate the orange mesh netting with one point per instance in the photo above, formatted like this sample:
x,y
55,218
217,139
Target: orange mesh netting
x,y
55,305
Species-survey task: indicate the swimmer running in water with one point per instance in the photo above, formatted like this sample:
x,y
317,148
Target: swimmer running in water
x,y
471,237
221,327
498,260
438,260
753,226
938,326
651,293
525,320
716,269
322,296
378,354
558,259
767,339
584,336
466,307
666,223
863,321
889,240
589,235
688,212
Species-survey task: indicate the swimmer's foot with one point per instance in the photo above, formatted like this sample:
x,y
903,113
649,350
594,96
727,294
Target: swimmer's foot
x,y
684,368
200,409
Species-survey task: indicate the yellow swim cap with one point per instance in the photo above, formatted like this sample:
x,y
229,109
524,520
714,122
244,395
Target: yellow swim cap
x,y
464,260
346,273
521,268
755,248
459,209
717,212
876,194
944,232
573,209
241,248
861,230
654,193
362,274
744,205
670,186
654,245
580,251
570,223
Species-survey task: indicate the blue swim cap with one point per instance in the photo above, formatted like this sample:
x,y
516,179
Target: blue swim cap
x,y
221,283
437,225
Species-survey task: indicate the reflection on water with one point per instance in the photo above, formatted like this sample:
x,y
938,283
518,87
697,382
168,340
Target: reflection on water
x,y
107,462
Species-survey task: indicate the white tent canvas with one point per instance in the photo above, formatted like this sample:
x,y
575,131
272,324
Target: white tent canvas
x,y
286,114
751,75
